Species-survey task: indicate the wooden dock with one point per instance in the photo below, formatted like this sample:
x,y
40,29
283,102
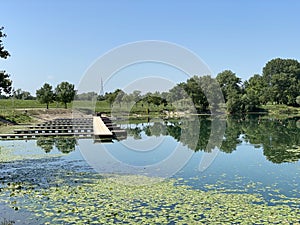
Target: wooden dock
x,y
100,129
94,127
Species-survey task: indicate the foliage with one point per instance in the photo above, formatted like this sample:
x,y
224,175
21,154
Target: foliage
x,y
255,88
65,145
111,96
230,84
20,94
5,82
282,79
45,95
65,93
46,144
89,96
3,52
278,137
279,84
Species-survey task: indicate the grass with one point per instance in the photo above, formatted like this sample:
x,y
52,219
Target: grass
x,y
15,117
9,129
25,104
15,110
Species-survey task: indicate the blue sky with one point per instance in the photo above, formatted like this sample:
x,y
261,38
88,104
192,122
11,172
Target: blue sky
x,y
54,41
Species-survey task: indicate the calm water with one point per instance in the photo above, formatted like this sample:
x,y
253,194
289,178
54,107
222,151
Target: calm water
x,y
248,155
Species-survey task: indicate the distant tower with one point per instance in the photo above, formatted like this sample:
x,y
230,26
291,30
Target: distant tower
x,y
101,89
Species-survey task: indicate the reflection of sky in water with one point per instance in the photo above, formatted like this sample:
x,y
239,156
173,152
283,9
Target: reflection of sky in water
x,y
144,151
245,169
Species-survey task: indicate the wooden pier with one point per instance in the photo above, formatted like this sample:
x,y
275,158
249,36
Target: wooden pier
x,y
100,129
93,127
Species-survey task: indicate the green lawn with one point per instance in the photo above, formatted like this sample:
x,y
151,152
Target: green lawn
x,y
9,104
11,109
25,104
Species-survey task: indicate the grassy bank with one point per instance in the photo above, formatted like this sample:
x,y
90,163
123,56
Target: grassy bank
x,y
25,111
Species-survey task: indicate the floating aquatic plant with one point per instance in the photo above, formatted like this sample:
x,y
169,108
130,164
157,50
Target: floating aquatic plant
x,y
92,199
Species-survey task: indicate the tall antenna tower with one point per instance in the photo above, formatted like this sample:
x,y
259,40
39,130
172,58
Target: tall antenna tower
x,y
101,89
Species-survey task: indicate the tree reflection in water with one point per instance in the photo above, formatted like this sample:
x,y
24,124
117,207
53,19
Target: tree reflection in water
x,y
64,145
279,139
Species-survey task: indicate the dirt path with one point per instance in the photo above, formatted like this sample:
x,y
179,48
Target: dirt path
x,y
43,115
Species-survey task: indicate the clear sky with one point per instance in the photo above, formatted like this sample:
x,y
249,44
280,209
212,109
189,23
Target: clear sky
x,y
54,41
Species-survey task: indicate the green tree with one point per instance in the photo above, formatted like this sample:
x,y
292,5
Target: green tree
x,y
88,96
66,145
3,52
255,87
65,93
177,93
111,96
214,99
282,78
194,90
235,103
5,82
119,97
20,94
127,98
45,95
46,144
136,95
230,84
233,91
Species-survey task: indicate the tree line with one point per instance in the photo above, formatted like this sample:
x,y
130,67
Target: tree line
x,y
278,138
64,93
279,83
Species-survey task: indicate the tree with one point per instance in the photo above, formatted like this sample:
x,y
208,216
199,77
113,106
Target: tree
x,y
230,84
20,94
136,95
46,144
282,78
127,99
45,94
119,97
111,96
194,90
88,96
256,88
235,103
65,93
5,82
177,93
3,53
66,145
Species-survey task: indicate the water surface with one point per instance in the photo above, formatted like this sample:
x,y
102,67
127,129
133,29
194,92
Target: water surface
x,y
256,156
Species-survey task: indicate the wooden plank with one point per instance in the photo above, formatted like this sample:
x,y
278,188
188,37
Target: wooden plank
x,y
37,131
100,128
90,126
33,135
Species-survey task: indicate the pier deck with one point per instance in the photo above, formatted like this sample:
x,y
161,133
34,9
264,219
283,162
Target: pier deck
x,y
100,129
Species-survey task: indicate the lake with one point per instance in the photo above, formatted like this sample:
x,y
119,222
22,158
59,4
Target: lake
x,y
193,170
